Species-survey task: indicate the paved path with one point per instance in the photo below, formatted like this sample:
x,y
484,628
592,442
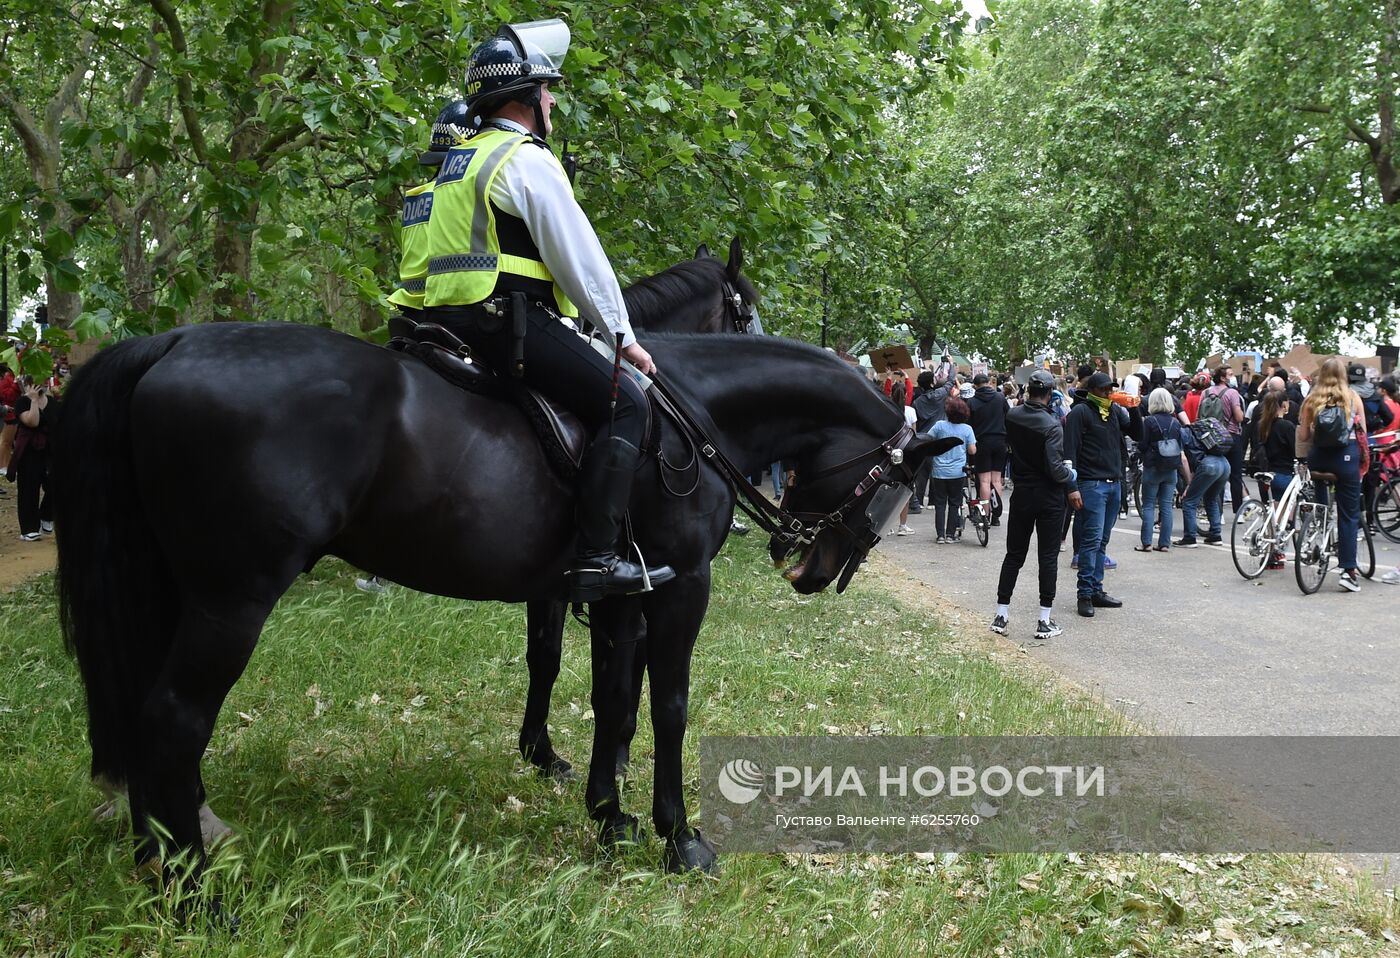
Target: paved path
x,y
1196,649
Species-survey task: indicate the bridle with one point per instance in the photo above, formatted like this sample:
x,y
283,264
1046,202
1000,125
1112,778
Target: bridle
x,y
793,530
738,310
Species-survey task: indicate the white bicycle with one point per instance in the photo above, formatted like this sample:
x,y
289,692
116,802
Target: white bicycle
x,y
1259,532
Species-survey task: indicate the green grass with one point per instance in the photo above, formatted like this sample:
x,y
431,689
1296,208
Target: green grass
x,y
367,759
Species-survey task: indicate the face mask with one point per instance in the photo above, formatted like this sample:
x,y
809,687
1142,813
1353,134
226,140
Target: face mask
x,y
1234,382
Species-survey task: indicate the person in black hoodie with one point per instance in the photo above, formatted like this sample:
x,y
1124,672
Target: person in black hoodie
x,y
930,403
1044,484
989,408
1094,431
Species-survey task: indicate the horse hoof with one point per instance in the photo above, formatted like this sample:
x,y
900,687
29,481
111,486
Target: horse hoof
x,y
624,828
691,853
559,770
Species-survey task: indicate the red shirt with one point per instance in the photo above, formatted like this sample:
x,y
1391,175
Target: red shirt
x,y
908,390
9,393
1192,404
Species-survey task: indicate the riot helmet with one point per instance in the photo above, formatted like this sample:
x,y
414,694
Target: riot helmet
x,y
453,125
513,64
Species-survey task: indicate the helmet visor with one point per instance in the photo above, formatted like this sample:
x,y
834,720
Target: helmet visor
x,y
545,39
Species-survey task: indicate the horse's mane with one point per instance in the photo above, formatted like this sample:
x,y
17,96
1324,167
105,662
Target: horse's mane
x,y
657,296
761,360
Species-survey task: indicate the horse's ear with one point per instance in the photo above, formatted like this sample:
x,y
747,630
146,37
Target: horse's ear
x,y
702,251
925,447
736,259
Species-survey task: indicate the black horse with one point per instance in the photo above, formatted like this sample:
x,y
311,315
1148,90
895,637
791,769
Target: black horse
x,y
700,295
198,472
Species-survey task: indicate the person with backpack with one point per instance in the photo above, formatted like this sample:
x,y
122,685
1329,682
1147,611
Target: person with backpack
x,y
1162,459
1222,402
1332,433
930,405
1206,443
1378,419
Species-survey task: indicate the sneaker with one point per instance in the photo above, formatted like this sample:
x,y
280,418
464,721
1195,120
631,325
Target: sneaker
x,y
941,540
371,585
1392,577
45,525
904,530
1047,630
1350,581
30,536
1211,540
999,625
916,509
1188,542
1108,563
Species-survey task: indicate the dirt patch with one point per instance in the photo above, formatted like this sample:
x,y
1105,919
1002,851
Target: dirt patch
x,y
19,561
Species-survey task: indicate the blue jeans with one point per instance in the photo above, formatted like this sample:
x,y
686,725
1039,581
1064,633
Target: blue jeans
x,y
777,470
1158,491
1346,463
1208,483
1279,485
1092,527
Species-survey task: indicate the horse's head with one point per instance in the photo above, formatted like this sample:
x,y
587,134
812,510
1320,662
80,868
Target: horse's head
x,y
848,497
699,295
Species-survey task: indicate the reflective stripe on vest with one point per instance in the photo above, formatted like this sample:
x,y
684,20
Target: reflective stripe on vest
x,y
413,244
465,259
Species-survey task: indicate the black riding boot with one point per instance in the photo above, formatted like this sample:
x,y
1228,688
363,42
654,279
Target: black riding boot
x,y
604,489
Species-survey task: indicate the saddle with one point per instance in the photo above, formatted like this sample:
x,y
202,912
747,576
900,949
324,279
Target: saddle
x,y
560,432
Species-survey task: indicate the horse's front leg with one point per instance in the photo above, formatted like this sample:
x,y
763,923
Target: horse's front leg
x,y
614,627
544,641
673,623
634,693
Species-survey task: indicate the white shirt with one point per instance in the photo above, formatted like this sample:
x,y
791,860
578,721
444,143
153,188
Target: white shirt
x,y
533,187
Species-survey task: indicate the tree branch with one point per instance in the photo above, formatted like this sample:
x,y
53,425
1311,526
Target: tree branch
x,y
35,143
68,91
183,89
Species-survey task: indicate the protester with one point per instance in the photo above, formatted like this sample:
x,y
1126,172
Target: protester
x,y
1274,439
1044,484
1162,460
945,486
1332,429
37,410
1094,433
930,401
1191,404
988,421
907,411
1222,401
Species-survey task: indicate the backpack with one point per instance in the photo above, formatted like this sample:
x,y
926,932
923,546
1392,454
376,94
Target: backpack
x,y
1332,427
1375,414
1212,405
1167,448
1212,436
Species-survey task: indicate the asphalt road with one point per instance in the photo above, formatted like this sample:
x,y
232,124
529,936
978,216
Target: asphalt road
x,y
1196,649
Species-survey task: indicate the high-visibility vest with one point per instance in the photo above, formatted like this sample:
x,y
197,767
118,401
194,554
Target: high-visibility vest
x,y
413,244
465,259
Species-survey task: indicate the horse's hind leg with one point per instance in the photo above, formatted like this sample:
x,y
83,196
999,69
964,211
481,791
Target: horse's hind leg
x,y
208,653
544,637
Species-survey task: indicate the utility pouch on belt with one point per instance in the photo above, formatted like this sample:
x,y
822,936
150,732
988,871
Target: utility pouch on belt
x,y
517,334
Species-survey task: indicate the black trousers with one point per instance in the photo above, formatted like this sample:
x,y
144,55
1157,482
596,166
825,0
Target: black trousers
x,y
1236,472
560,364
947,505
922,475
1037,508
32,478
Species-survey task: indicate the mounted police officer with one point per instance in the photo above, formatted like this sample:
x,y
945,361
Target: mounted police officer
x,y
511,253
451,127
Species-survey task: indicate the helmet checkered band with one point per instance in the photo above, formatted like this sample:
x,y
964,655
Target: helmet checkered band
x,y
447,135
486,71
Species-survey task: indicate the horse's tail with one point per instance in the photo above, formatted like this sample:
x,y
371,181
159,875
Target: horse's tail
x,y
114,587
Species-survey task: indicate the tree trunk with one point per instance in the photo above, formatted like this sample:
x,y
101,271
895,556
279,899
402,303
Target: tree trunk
x,y
233,260
63,307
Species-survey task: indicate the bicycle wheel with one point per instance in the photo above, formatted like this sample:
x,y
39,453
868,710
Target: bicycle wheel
x,y
1137,493
1311,558
1250,555
1365,553
983,523
1388,510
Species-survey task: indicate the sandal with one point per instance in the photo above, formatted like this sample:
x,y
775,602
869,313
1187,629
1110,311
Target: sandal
x,y
1161,548
1141,548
